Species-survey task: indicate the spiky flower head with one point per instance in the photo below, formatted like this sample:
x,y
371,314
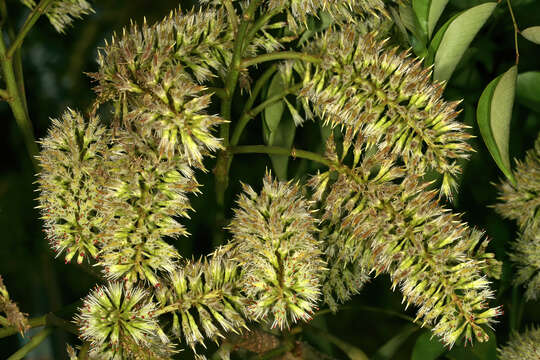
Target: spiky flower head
x,y
273,235
389,98
120,323
153,74
207,299
71,184
385,220
14,316
521,202
143,202
524,346
61,13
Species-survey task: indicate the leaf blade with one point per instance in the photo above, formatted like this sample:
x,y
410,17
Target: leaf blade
x,y
457,38
532,34
494,114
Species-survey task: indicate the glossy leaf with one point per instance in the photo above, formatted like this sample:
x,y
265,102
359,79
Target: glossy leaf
x,y
528,89
532,34
457,37
427,347
435,10
494,114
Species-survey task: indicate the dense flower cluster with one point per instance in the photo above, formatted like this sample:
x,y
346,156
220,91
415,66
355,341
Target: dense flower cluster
x,y
386,221
71,184
522,346
119,322
61,13
388,98
521,202
274,243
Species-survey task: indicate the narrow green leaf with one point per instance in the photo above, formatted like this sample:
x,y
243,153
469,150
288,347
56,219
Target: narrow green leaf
x,y
528,89
532,34
427,348
283,136
421,9
457,38
390,348
435,10
352,351
272,114
494,114
436,41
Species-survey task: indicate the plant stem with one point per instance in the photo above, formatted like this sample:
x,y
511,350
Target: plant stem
x,y
280,55
260,23
250,114
28,24
276,150
32,344
516,30
249,103
17,105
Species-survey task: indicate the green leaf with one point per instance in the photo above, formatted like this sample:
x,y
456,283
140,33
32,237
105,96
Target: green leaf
x,y
457,37
494,114
390,348
532,34
528,89
352,351
272,114
421,9
427,348
315,25
435,10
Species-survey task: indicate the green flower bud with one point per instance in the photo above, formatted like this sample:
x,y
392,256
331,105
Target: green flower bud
x,y
280,257
71,185
120,323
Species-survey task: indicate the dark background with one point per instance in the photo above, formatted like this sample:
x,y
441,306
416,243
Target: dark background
x,y
54,66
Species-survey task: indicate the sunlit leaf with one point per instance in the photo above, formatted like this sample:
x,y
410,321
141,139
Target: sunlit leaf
x,y
421,9
435,10
494,114
427,347
532,34
457,37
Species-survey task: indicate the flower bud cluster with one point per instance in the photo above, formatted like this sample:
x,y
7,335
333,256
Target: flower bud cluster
x,y
389,98
153,75
273,235
71,183
121,323
14,316
390,223
207,300
522,346
521,202
143,202
61,13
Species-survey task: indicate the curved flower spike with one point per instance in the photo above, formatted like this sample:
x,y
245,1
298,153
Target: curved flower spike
x,y
281,259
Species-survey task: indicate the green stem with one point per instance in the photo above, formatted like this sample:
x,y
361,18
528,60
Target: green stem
x,y
31,345
263,20
250,114
516,30
28,24
276,150
249,103
280,55
17,104
35,322
233,18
